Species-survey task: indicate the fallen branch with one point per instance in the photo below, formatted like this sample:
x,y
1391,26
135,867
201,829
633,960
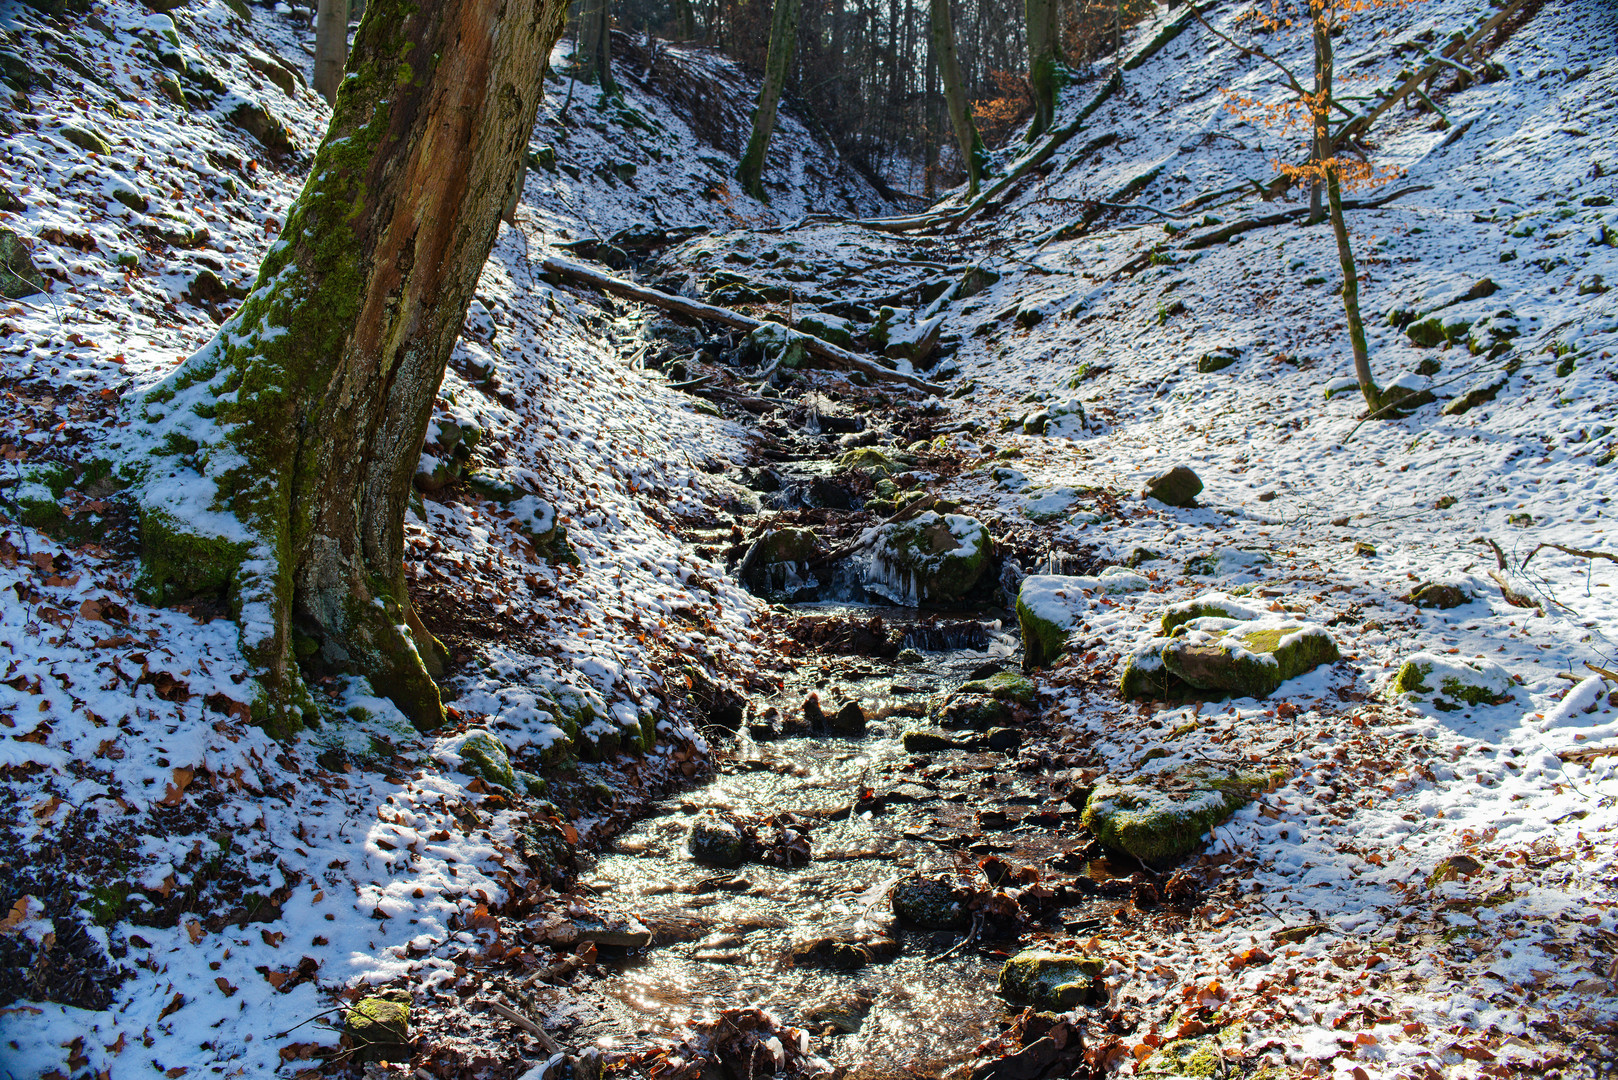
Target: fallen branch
x,y
1236,228
1512,596
695,309
1586,753
1361,123
1078,226
547,1043
1564,549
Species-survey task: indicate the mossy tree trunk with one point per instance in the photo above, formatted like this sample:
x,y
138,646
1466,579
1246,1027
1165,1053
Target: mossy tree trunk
x,y
1351,293
595,45
1044,63
960,109
331,47
783,36
685,19
273,466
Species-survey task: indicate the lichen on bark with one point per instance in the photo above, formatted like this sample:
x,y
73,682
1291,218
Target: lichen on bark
x,y
273,467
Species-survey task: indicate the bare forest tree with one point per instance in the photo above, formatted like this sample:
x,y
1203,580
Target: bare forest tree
x,y
783,41
273,466
331,47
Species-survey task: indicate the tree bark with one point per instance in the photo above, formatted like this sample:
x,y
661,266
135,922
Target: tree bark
x,y
595,45
685,19
1351,294
1044,63
273,466
1320,111
783,36
331,47
960,110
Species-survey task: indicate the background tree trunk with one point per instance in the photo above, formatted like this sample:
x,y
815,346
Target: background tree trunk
x,y
331,47
274,465
595,45
783,35
1044,59
960,110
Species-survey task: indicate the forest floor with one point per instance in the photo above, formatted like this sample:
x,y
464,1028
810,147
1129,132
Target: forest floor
x,y
1423,887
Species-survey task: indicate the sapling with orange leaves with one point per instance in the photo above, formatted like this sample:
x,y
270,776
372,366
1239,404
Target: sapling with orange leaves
x,y
1326,168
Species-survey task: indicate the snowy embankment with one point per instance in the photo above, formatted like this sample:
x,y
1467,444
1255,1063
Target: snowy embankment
x,y
1456,865
181,892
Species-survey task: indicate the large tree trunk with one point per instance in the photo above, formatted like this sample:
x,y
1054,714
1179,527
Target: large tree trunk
x,y
595,44
274,465
1044,63
331,47
960,110
783,36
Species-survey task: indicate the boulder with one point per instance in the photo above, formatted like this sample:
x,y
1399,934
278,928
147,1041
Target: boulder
x,y
776,566
848,720
1200,1057
18,275
1143,676
1451,682
1247,658
1062,421
1217,604
1480,393
264,126
933,903
1049,607
1055,982
984,703
1225,561
869,460
89,141
1178,486
928,741
932,559
715,841
1163,816
1218,359
378,1027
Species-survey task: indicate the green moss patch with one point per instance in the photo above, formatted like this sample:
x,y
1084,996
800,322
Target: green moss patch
x,y
1052,981
1167,816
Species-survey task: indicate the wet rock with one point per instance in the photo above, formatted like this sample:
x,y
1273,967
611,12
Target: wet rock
x,y
19,277
776,566
932,559
1451,682
1216,604
1248,659
984,703
1166,816
1440,595
928,741
842,1014
848,720
813,714
618,931
845,951
378,1027
715,841
1003,740
1053,981
1178,486
932,903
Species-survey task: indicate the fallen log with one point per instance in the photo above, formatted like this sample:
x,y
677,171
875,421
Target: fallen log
x,y
696,309
1236,228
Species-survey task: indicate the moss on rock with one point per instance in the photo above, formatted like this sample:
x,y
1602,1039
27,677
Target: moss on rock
x,y
933,903
1219,605
1249,659
932,559
1052,981
1452,682
1167,816
776,566
483,755
378,1028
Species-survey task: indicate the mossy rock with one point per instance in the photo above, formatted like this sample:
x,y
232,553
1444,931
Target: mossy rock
x,y
716,842
179,563
1178,486
1452,682
776,566
932,559
483,755
1441,595
928,741
1219,605
1224,561
1248,659
264,126
933,903
19,277
1166,817
1006,686
378,1027
1218,359
827,328
92,142
1051,981
1144,677
1187,1059
1045,624
869,460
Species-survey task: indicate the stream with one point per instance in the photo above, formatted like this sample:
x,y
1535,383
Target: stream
x,y
837,814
